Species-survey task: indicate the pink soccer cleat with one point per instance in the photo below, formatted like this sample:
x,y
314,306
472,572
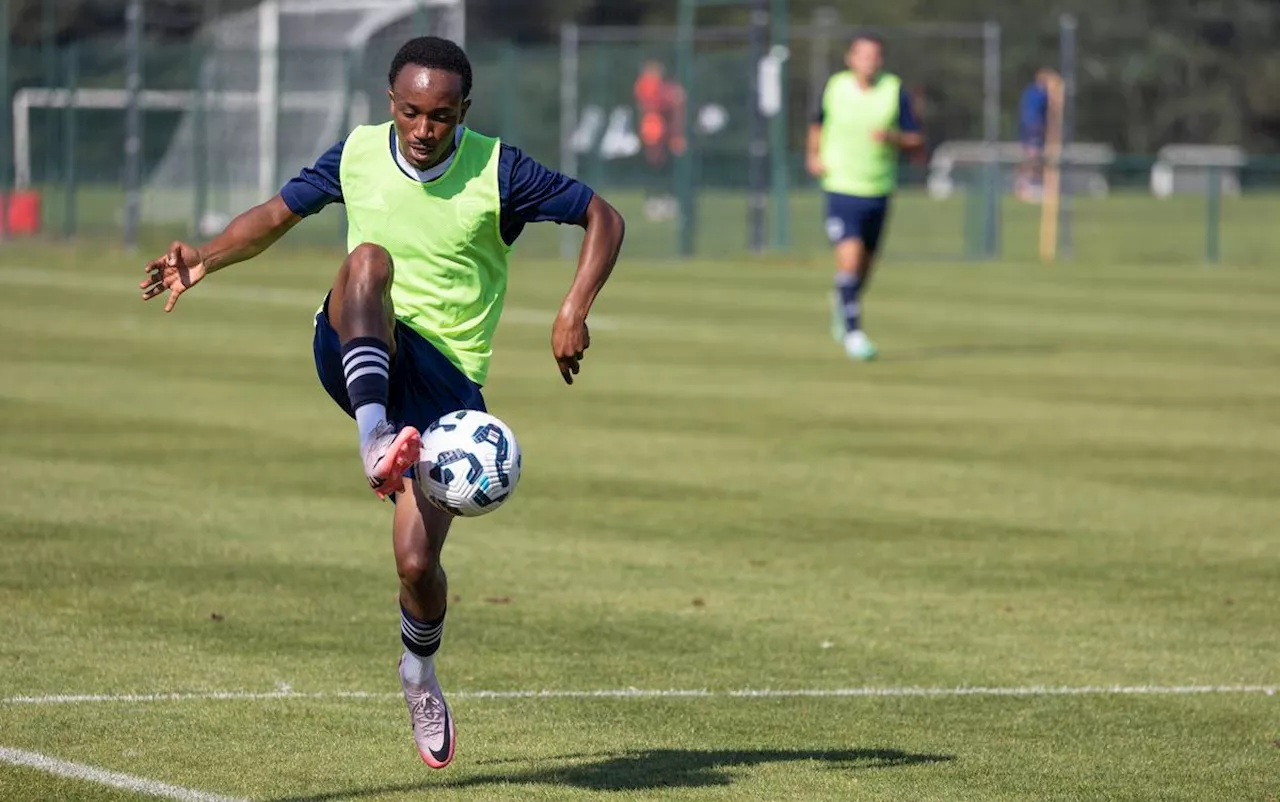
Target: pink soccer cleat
x,y
387,455
433,731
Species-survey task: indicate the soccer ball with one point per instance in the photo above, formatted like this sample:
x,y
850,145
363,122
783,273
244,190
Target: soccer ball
x,y
470,463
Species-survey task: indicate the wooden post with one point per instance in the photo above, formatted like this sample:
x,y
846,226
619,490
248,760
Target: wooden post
x,y
1052,192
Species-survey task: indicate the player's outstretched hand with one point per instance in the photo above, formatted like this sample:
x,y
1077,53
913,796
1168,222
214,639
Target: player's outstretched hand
x,y
177,271
570,339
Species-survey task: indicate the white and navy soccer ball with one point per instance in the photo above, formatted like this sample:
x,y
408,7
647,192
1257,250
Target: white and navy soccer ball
x,y
470,463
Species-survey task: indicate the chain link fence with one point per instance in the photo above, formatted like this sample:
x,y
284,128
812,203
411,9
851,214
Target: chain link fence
x,y
200,98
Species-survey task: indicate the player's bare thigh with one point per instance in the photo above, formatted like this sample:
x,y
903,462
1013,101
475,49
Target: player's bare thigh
x,y
360,302
418,536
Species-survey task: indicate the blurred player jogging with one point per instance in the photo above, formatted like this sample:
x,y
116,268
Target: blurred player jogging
x,y
864,121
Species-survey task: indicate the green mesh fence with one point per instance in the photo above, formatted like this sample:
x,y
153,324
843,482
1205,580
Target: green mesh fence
x,y
71,155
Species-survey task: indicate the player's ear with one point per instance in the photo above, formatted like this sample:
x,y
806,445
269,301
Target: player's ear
x,y
391,102
462,115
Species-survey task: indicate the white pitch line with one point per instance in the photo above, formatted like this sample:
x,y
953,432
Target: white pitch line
x,y
91,774
641,693
240,293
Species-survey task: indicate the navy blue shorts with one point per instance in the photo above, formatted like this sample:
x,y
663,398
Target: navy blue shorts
x,y
853,217
424,384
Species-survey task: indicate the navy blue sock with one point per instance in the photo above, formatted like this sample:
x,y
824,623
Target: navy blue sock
x,y
366,364
849,291
421,637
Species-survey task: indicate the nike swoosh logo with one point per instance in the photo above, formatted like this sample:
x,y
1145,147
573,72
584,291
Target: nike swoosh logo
x,y
446,747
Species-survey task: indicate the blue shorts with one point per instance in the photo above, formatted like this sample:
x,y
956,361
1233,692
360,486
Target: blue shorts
x,y
424,384
854,217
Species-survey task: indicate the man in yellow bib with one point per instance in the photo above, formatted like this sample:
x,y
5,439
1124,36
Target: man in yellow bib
x,y
864,121
404,337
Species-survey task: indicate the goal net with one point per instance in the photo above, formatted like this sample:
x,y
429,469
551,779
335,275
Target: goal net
x,y
277,85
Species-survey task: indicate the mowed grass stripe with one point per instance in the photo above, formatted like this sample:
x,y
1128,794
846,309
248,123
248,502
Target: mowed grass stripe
x,y
1023,493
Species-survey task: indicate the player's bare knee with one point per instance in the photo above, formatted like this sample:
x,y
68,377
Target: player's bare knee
x,y
369,264
418,570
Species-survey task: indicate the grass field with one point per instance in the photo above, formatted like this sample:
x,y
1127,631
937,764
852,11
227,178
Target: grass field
x,y
1056,482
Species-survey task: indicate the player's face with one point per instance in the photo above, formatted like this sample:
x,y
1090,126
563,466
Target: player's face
x,y
427,106
866,58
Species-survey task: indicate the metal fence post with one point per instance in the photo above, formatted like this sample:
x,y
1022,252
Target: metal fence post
x,y
6,123
826,21
49,55
1213,217
758,147
568,115
133,125
509,61
991,135
421,23
684,161
69,134
268,98
201,137
1068,26
780,211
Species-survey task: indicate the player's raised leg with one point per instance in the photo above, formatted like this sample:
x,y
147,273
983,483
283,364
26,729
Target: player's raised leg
x,y
419,534
361,312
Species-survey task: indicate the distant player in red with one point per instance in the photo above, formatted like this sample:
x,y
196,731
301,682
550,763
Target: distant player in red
x,y
661,107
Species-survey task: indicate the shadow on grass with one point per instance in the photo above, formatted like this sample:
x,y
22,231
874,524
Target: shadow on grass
x,y
647,769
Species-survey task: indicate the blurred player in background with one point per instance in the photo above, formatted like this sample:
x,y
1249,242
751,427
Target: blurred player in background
x,y
865,120
404,337
1033,124
660,104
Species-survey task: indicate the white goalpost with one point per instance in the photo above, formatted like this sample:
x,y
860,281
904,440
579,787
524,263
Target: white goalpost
x,y
276,86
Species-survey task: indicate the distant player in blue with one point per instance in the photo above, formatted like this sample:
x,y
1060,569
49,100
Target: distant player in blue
x,y
855,140
1033,126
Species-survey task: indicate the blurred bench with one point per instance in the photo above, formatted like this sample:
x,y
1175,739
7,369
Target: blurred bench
x,y
960,163
1186,169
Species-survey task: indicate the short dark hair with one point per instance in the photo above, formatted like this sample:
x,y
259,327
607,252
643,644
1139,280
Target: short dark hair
x,y
435,53
867,36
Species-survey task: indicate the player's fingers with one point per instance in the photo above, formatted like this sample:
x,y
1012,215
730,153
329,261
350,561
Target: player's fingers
x,y
153,269
174,257
152,286
174,293
568,367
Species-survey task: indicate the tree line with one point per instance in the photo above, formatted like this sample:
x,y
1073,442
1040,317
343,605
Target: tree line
x,y
1151,72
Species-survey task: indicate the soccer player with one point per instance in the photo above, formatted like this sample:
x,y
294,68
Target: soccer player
x,y
1033,124
404,335
661,104
864,120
